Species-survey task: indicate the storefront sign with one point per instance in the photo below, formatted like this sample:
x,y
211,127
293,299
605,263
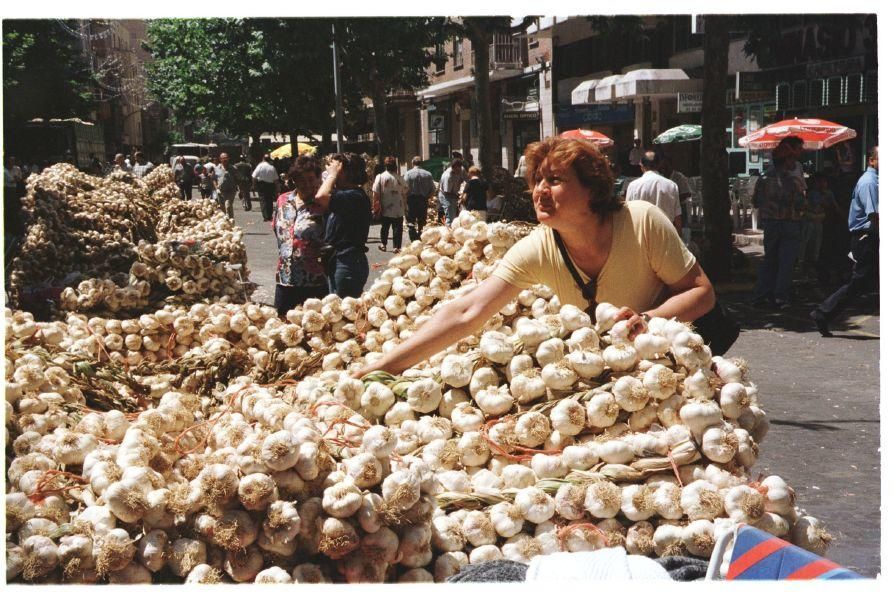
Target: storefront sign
x,y
568,115
522,115
689,102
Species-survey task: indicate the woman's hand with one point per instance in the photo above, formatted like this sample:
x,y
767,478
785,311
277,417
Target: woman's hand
x,y
334,170
636,324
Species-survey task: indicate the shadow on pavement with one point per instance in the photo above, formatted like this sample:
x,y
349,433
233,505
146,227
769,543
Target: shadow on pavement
x,y
806,294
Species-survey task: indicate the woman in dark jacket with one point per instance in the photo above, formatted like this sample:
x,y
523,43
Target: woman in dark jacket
x,y
349,215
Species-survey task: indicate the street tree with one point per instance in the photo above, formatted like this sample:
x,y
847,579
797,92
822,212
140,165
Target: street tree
x,y
209,71
480,32
717,251
45,73
384,55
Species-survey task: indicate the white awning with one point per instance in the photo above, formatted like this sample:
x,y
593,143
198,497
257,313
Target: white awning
x,y
446,87
583,93
605,91
655,82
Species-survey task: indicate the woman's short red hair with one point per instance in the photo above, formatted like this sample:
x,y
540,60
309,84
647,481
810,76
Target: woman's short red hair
x,y
588,163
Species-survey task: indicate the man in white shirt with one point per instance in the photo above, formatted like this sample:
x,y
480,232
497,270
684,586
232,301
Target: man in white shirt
x,y
390,201
660,191
266,178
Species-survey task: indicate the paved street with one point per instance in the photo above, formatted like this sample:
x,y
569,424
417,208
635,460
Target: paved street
x,y
821,394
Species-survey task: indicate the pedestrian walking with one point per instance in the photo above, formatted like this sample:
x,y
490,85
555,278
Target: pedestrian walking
x,y
475,194
781,200
243,181
390,203
818,198
142,167
863,224
265,180
347,223
225,184
656,189
420,187
449,186
666,168
634,157
206,182
12,199
299,228
183,177
121,164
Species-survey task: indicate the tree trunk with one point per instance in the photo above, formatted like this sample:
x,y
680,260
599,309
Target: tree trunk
x,y
481,46
379,99
717,247
293,143
256,151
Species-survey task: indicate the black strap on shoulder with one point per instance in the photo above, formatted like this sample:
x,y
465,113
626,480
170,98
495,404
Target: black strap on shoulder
x,y
587,290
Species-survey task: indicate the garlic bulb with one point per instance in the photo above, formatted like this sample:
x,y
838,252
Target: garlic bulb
x,y
744,504
701,500
810,535
698,537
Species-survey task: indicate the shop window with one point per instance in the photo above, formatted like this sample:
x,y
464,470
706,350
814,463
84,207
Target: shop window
x,y
799,94
853,88
783,96
833,91
817,96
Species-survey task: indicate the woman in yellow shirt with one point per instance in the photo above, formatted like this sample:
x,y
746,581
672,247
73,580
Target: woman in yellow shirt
x,y
630,251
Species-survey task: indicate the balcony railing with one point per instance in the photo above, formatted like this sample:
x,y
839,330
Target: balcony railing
x,y
508,52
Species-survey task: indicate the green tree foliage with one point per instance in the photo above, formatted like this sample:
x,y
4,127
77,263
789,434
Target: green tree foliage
x,y
209,70
384,55
45,74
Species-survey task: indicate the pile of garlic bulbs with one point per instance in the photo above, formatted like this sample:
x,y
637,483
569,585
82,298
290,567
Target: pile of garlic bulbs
x,y
126,244
217,442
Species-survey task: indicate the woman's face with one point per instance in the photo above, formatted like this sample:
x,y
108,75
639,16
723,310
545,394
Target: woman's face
x,y
307,184
559,196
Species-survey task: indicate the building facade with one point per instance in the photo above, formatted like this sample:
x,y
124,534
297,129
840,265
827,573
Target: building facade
x,y
637,76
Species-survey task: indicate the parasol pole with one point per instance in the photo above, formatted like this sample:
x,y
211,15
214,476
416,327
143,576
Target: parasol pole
x,y
338,107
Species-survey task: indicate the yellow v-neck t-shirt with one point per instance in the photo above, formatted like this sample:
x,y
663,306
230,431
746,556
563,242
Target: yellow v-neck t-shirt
x,y
646,255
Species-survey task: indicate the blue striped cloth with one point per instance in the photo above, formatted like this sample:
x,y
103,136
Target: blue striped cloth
x,y
759,555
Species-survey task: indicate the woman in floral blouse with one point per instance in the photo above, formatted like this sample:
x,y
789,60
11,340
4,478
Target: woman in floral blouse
x,y
299,227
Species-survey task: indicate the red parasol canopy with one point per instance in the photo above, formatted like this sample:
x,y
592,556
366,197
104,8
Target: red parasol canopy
x,y
588,135
816,133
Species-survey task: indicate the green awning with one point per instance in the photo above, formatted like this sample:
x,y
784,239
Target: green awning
x,y
680,133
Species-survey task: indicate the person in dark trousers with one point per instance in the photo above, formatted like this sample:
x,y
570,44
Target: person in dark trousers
x,y
347,224
266,179
243,181
390,202
420,187
781,199
863,225
187,177
475,194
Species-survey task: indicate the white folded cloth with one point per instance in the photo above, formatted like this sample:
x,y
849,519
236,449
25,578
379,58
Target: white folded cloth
x,y
605,564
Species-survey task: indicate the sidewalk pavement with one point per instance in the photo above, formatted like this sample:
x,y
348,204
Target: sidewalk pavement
x,y
821,394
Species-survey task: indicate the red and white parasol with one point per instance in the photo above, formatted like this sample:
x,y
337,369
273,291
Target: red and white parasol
x,y
816,133
588,135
